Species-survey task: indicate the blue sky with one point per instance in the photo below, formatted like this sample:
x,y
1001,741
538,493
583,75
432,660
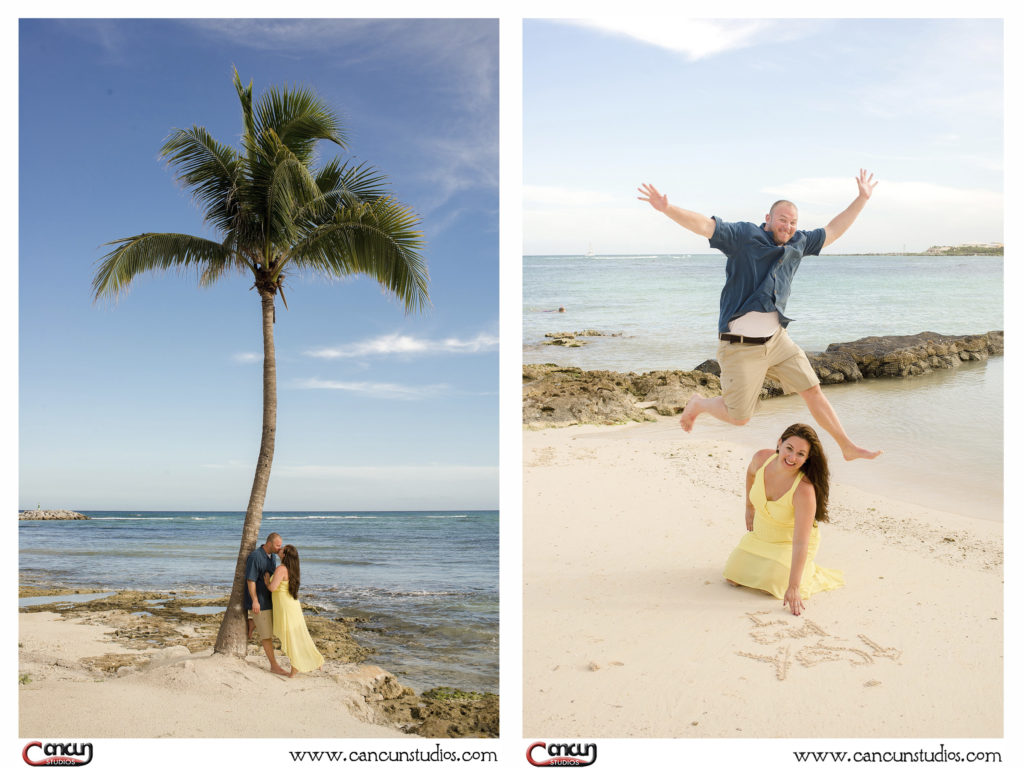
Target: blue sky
x,y
154,402
727,116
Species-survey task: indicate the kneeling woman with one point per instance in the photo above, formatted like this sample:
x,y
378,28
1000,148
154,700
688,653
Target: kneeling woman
x,y
787,496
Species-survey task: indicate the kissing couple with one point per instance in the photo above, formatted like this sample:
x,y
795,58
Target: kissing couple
x,y
272,602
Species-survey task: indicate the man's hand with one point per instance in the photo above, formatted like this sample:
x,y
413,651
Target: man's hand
x,y
697,223
866,184
650,195
256,607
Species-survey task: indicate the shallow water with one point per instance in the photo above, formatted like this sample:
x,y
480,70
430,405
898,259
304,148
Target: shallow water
x,y
933,449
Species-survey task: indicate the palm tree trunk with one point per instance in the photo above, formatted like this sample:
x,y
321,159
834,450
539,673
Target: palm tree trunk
x,y
231,638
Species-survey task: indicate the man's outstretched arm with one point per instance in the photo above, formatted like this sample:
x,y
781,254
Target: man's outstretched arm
x,y
697,223
835,228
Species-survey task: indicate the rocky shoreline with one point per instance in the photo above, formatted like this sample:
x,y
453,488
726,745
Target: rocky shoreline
x,y
556,395
158,625
50,514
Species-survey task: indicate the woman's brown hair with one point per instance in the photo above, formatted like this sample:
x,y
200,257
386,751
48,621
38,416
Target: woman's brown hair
x,y
290,560
815,468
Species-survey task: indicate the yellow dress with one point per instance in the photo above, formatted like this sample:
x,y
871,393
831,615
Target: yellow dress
x,y
290,628
764,556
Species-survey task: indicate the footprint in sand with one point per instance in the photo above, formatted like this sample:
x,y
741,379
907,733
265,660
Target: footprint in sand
x,y
542,457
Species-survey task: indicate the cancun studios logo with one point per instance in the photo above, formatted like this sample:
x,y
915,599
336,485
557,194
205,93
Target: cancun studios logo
x,y
69,753
540,753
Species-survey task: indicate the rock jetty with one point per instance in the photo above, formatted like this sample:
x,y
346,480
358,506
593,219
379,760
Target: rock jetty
x,y
902,356
50,514
555,395
573,338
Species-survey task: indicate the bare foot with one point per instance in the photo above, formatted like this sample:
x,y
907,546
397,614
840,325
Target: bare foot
x,y
291,672
731,582
854,452
279,671
690,413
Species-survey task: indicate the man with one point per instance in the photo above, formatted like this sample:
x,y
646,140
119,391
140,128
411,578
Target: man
x,y
752,325
257,598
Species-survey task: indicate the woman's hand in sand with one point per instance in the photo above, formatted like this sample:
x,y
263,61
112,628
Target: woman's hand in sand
x,y
792,599
650,195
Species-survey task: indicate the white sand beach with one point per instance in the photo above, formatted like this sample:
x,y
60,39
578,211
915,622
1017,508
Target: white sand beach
x,y
178,694
631,631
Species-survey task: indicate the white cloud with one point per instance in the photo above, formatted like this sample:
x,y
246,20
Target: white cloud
x,y
459,163
398,344
231,464
247,357
312,471
832,191
459,51
694,38
564,197
902,215
379,389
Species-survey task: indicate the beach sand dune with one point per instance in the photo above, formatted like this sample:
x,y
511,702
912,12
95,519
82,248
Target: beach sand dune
x,y
177,693
631,631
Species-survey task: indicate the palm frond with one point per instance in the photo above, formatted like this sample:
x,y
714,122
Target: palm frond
x,y
159,251
298,118
210,169
245,100
287,186
275,211
342,186
379,240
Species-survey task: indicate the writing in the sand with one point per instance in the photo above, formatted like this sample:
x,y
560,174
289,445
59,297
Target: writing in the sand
x,y
57,753
825,647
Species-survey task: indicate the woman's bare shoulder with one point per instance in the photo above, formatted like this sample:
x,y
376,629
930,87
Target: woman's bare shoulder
x,y
806,490
761,457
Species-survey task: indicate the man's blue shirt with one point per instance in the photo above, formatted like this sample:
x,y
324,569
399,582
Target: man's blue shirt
x,y
759,273
256,564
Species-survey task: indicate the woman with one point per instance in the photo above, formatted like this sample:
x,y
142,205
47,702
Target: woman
x,y
787,496
289,623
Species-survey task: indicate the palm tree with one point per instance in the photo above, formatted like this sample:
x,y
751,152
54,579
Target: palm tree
x,y
276,214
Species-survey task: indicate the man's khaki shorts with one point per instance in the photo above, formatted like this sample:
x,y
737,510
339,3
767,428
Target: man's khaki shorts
x,y
744,367
264,623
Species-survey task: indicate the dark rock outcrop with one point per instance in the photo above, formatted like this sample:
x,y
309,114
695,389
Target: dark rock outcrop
x,y
922,353
50,514
572,338
555,395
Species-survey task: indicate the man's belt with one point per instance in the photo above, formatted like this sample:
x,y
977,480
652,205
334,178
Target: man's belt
x,y
732,338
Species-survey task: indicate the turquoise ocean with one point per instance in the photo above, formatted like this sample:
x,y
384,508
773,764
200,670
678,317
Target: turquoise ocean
x,y
942,433
425,582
